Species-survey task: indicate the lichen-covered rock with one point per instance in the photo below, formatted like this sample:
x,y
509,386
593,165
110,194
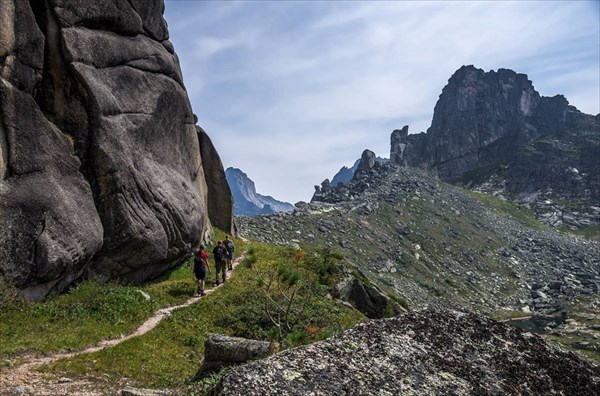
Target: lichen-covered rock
x,y
427,352
100,167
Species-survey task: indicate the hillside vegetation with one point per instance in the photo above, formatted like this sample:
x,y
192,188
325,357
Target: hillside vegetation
x,y
169,355
434,244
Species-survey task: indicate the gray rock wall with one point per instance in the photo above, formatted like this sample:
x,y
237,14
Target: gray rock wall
x,y
100,169
220,202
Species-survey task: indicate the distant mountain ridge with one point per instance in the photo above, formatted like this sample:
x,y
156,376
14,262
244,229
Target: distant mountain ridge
x,y
346,174
247,202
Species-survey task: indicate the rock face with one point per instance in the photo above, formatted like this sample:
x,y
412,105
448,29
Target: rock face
x,y
100,165
428,352
493,131
247,202
220,200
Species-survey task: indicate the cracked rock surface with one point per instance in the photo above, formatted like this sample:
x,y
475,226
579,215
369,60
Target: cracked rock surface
x,y
426,352
101,173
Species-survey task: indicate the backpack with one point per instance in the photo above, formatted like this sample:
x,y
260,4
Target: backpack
x,y
230,246
219,253
198,262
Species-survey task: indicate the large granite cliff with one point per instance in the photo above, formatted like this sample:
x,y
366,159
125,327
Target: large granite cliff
x,y
493,131
100,167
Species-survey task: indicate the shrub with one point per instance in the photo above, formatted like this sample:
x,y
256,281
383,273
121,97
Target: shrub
x,y
324,263
249,260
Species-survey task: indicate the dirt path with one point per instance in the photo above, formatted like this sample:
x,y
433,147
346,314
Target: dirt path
x,y
25,380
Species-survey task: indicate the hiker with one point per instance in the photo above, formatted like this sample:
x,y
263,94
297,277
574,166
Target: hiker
x,y
229,246
200,267
220,254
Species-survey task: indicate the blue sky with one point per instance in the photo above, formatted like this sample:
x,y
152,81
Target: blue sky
x,y
289,91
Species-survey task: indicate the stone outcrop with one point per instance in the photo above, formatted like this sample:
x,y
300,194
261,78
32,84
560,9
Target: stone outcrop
x,y
247,202
100,166
222,351
368,299
220,200
427,352
494,132
369,172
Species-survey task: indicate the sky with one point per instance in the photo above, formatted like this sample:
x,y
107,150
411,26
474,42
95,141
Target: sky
x,y
290,91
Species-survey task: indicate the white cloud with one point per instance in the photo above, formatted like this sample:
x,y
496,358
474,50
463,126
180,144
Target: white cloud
x,y
291,91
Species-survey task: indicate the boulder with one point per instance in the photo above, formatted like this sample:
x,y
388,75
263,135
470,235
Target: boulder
x,y
427,352
367,161
101,170
365,298
222,351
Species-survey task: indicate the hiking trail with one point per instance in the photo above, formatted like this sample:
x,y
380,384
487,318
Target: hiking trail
x,y
24,380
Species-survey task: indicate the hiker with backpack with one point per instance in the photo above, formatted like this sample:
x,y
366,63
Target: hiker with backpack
x,y
200,268
220,253
228,243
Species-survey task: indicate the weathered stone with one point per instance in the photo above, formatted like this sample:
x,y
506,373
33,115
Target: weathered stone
x,y
100,165
428,352
220,200
367,161
130,391
222,351
367,299
50,228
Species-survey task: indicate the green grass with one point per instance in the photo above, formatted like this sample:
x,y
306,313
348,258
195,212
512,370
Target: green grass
x,y
524,216
591,232
89,312
169,355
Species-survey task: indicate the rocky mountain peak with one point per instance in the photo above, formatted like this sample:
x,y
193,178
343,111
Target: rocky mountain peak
x,y
493,130
247,202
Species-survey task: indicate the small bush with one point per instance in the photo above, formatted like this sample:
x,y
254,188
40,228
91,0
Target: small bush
x,y
249,260
324,263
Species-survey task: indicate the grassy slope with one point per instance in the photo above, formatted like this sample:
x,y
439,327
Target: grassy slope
x,y
90,312
169,355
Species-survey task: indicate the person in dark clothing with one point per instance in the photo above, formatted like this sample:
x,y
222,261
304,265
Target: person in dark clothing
x,y
228,243
220,254
200,267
